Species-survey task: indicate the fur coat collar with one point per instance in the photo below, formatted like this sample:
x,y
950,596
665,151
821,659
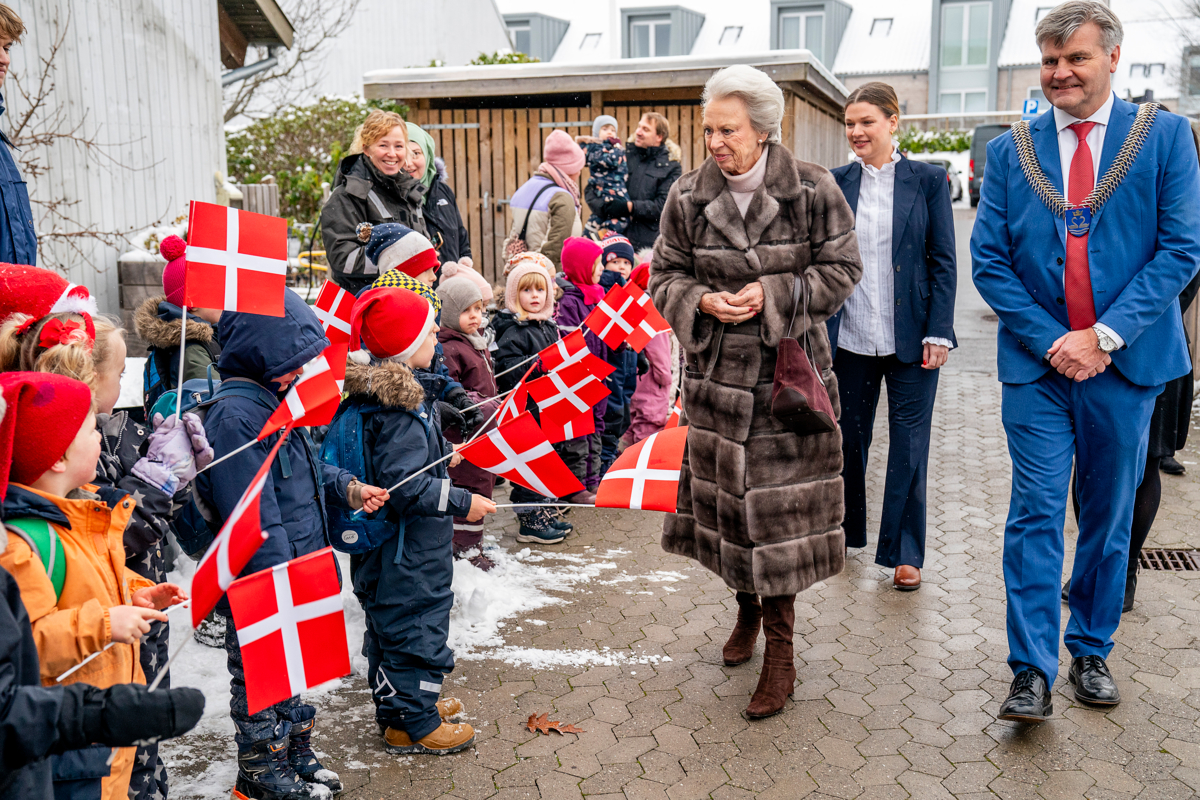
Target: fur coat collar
x,y
163,333
388,383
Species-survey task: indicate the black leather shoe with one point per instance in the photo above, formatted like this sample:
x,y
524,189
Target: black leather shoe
x,y
1066,592
1093,682
1130,591
1172,467
1028,698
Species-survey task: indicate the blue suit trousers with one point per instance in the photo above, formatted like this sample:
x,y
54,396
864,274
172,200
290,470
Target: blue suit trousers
x,y
1102,424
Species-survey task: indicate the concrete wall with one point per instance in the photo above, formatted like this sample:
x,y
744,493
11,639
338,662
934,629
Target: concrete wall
x,y
1013,84
911,89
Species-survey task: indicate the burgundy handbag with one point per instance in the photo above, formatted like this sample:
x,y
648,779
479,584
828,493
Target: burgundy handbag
x,y
799,398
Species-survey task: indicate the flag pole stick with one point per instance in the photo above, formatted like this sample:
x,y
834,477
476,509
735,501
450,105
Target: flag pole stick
x,y
495,413
484,402
535,355
547,505
162,673
230,454
99,653
182,349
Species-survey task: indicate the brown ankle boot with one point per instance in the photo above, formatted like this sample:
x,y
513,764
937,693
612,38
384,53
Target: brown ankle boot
x,y
777,681
740,646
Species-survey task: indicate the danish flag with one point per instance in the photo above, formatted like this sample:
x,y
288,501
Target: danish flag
x,y
518,398
676,413
583,425
615,317
333,308
573,349
235,545
566,393
652,325
645,476
314,397
518,451
236,260
290,627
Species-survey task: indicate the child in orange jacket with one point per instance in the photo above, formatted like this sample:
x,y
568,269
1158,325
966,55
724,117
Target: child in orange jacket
x,y
53,518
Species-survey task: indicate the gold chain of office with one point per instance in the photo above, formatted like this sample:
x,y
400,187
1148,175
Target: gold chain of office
x,y
1103,190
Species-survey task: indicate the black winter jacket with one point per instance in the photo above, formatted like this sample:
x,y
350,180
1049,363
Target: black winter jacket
x,y
362,193
652,173
445,224
517,340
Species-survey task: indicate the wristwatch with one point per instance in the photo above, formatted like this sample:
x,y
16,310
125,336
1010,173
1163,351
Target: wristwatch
x,y
1105,342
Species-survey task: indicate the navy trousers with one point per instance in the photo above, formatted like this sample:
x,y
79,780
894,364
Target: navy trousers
x,y
1102,424
911,392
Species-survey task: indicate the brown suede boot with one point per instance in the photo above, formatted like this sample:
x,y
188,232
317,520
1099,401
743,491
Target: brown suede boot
x,y
777,681
740,646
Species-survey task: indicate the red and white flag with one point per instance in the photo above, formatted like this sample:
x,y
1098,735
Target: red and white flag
x,y
566,393
583,425
652,325
573,349
235,545
518,451
236,260
514,405
615,317
333,308
308,401
290,627
676,413
645,476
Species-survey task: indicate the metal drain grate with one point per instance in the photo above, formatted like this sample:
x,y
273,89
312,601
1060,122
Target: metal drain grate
x,y
1171,560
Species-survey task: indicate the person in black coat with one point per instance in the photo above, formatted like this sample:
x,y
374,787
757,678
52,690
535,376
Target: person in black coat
x,y
442,218
898,325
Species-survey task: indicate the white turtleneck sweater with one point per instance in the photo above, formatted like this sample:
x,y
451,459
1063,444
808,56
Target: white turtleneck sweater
x,y
743,186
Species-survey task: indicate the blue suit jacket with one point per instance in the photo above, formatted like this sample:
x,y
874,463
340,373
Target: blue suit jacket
x,y
1143,248
922,254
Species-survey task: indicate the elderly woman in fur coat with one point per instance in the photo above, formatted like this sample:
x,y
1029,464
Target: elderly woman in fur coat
x,y
758,505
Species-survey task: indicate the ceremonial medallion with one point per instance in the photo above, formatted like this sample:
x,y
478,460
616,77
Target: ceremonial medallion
x,y
1079,220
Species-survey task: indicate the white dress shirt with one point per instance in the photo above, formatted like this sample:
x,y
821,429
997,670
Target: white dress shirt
x,y
1067,142
868,324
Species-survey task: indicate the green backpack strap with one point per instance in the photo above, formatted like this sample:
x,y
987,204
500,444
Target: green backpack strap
x,y
44,541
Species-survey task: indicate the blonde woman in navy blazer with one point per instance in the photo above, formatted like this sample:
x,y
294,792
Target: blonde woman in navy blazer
x,y
897,327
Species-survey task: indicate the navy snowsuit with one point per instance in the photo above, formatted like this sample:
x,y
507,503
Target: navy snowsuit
x,y
404,585
18,240
256,349
608,174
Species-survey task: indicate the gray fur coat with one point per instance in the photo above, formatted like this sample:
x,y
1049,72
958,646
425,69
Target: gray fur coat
x,y
758,505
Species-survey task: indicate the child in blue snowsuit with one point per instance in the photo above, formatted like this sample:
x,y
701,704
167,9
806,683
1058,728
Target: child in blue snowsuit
x,y
608,173
404,584
260,357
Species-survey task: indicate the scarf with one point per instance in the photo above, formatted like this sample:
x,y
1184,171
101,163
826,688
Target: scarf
x,y
558,176
416,134
581,277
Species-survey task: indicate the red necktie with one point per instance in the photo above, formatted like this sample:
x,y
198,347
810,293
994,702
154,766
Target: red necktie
x,y
1077,279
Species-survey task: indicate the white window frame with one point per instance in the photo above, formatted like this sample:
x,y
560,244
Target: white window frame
x,y
962,100
590,41
966,33
878,22
804,15
651,22
526,27
737,34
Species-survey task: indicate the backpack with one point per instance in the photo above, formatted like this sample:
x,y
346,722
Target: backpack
x,y
43,540
162,371
344,447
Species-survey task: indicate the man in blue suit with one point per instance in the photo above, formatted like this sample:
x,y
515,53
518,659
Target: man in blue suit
x,y
1089,332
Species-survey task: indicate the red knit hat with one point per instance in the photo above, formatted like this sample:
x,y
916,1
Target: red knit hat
x,y
43,418
391,321
38,292
173,249
641,275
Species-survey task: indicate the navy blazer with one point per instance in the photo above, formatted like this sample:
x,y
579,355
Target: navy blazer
x,y
1143,248
922,254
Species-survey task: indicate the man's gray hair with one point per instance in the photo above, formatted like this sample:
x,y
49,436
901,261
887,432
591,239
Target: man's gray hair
x,y
763,99
1062,21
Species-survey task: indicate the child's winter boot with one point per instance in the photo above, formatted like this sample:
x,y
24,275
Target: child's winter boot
x,y
449,706
264,772
536,528
447,738
300,752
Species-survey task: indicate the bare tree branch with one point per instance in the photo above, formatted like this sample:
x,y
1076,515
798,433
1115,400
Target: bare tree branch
x,y
316,24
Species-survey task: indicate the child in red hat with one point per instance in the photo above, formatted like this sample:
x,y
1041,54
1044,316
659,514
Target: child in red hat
x,y
63,541
404,583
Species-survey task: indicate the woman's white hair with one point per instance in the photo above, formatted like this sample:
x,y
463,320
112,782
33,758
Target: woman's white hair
x,y
763,99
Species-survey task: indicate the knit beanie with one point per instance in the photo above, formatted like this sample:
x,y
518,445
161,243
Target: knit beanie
x,y
390,322
617,247
45,412
562,152
512,292
395,246
458,294
452,268
38,292
600,122
174,250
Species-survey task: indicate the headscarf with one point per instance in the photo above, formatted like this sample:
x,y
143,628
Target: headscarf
x,y
579,257
394,277
512,299
416,134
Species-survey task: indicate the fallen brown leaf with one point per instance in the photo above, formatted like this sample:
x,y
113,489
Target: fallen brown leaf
x,y
540,723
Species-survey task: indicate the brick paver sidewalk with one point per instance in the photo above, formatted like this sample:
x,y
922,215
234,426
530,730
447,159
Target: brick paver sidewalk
x,y
897,691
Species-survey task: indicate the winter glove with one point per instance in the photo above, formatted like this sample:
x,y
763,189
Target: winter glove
x,y
472,417
127,714
451,417
643,364
201,449
169,460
